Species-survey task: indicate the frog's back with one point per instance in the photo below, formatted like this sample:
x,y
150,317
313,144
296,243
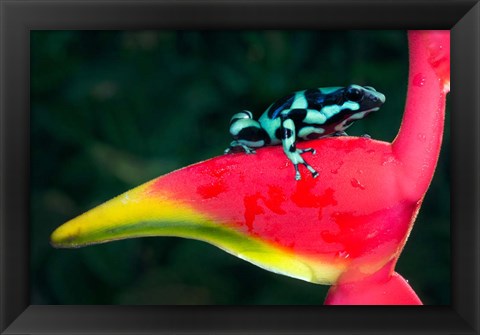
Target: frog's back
x,y
312,99
280,105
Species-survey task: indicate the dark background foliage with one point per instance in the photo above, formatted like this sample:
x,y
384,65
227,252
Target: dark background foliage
x,y
111,110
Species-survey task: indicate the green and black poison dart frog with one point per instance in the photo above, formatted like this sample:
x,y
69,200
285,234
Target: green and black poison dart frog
x,y
304,115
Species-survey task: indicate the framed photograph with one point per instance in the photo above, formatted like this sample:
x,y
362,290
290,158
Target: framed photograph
x,y
99,97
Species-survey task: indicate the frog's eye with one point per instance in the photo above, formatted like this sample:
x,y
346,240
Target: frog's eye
x,y
354,94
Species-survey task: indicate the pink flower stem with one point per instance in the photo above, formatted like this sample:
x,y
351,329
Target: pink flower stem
x,y
418,142
416,148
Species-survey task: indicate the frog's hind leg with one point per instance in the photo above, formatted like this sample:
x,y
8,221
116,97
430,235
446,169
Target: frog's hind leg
x,y
247,133
342,133
290,148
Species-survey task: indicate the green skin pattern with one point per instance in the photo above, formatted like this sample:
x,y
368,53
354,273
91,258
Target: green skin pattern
x,y
304,115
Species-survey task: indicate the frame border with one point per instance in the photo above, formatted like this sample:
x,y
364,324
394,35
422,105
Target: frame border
x,y
18,17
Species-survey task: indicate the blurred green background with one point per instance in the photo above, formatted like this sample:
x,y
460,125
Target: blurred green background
x,y
113,109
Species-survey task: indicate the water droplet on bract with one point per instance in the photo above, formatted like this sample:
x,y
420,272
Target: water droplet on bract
x,y
388,159
125,199
356,183
419,80
422,137
335,170
343,254
372,234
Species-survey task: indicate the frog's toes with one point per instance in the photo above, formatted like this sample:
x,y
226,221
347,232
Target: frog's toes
x,y
296,158
246,150
313,151
311,169
232,150
236,146
366,136
298,176
339,133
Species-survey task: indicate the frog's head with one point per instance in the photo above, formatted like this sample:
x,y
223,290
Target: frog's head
x,y
352,103
362,99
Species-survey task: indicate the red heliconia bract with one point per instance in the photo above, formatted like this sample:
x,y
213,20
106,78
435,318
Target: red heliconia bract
x,y
346,228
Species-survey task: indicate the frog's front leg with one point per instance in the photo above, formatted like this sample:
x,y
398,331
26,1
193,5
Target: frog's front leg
x,y
290,148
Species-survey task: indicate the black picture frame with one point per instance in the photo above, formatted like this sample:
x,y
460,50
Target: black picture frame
x,y
18,18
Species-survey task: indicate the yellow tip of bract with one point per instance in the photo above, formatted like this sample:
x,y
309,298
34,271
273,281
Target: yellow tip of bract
x,y
135,213
138,213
